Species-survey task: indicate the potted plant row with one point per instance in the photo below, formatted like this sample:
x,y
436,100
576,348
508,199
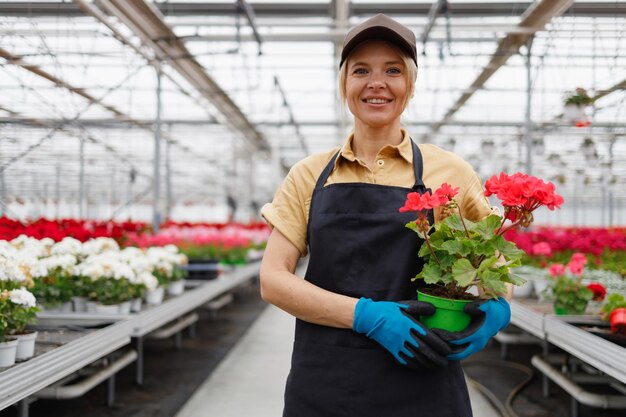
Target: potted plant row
x,y
96,276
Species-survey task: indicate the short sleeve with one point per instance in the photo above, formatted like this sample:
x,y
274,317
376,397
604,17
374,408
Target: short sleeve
x,y
287,212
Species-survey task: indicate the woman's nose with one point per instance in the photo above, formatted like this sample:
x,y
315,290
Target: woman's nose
x,y
376,82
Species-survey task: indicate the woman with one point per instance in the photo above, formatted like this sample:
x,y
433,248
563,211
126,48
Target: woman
x,y
357,351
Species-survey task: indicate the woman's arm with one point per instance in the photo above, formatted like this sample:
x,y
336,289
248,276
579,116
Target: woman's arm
x,y
300,298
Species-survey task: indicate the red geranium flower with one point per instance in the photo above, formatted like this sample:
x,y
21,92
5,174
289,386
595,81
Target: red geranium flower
x,y
599,292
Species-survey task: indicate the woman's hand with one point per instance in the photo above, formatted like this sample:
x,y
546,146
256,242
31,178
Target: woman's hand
x,y
488,318
300,298
394,327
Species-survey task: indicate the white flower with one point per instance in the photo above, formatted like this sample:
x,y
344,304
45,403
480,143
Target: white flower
x,y
122,270
22,297
10,270
90,269
171,248
148,280
99,245
141,264
68,245
65,262
130,253
165,268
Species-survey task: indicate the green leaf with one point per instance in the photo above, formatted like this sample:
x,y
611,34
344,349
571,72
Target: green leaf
x,y
455,223
488,226
424,251
487,263
431,273
515,279
453,247
463,272
506,248
446,260
411,225
492,283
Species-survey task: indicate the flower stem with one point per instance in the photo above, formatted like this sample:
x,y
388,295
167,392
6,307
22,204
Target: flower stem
x,y
513,226
431,249
463,221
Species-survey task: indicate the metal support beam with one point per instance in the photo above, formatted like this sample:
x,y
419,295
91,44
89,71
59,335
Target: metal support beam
x,y
534,19
528,131
245,7
435,8
298,9
147,22
292,120
81,182
168,182
156,178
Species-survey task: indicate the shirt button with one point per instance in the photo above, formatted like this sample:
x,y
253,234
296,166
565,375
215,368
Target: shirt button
x,y
380,162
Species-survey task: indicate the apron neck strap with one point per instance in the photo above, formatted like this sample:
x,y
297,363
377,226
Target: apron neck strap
x,y
418,168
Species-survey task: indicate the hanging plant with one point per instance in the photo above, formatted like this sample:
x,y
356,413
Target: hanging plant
x,y
578,98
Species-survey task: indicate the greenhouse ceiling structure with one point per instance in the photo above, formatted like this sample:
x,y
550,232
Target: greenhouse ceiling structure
x,y
158,109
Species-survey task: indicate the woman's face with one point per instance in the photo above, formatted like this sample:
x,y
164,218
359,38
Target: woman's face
x,y
376,84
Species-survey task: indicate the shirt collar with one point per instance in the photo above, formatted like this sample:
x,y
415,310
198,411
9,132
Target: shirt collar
x,y
403,149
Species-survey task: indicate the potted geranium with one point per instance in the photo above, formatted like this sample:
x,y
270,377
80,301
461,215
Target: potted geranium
x,y
614,311
17,309
22,312
460,254
570,295
8,343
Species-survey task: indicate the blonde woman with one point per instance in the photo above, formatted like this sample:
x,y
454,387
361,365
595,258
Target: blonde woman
x,y
358,351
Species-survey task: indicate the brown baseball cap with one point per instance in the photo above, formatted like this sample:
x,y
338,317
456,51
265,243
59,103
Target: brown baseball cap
x,y
380,27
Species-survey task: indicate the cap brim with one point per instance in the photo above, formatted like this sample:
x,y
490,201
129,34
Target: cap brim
x,y
378,32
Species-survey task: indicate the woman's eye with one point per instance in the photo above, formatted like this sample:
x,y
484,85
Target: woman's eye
x,y
394,71
359,71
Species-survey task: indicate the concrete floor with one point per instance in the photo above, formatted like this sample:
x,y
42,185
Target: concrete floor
x,y
251,378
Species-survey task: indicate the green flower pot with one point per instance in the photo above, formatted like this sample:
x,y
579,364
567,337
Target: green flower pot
x,y
562,311
449,314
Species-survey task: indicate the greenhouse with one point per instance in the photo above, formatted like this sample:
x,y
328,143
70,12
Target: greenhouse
x,y
313,208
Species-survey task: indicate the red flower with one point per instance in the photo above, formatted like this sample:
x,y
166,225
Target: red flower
x,y
446,191
599,292
426,201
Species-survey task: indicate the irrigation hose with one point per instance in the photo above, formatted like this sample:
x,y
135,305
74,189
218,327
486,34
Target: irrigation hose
x,y
506,409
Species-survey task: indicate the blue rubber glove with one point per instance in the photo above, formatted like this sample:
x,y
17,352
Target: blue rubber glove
x,y
393,326
489,317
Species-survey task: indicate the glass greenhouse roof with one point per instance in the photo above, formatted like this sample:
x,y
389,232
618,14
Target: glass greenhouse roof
x,y
66,77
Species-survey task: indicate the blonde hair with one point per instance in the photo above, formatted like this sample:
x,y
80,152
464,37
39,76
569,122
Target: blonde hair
x,y
411,75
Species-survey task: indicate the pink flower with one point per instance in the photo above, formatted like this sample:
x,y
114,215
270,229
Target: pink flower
x,y
542,248
557,270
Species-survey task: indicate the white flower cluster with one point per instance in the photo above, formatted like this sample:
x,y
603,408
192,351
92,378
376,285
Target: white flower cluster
x,y
22,297
10,270
165,258
26,257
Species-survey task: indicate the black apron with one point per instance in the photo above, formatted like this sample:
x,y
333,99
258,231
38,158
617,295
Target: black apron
x,y
359,247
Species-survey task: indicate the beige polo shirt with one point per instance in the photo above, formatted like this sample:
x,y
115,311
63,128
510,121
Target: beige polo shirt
x,y
289,211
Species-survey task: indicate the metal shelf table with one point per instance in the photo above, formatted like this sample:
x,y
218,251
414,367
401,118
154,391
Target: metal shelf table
x,y
155,317
24,379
